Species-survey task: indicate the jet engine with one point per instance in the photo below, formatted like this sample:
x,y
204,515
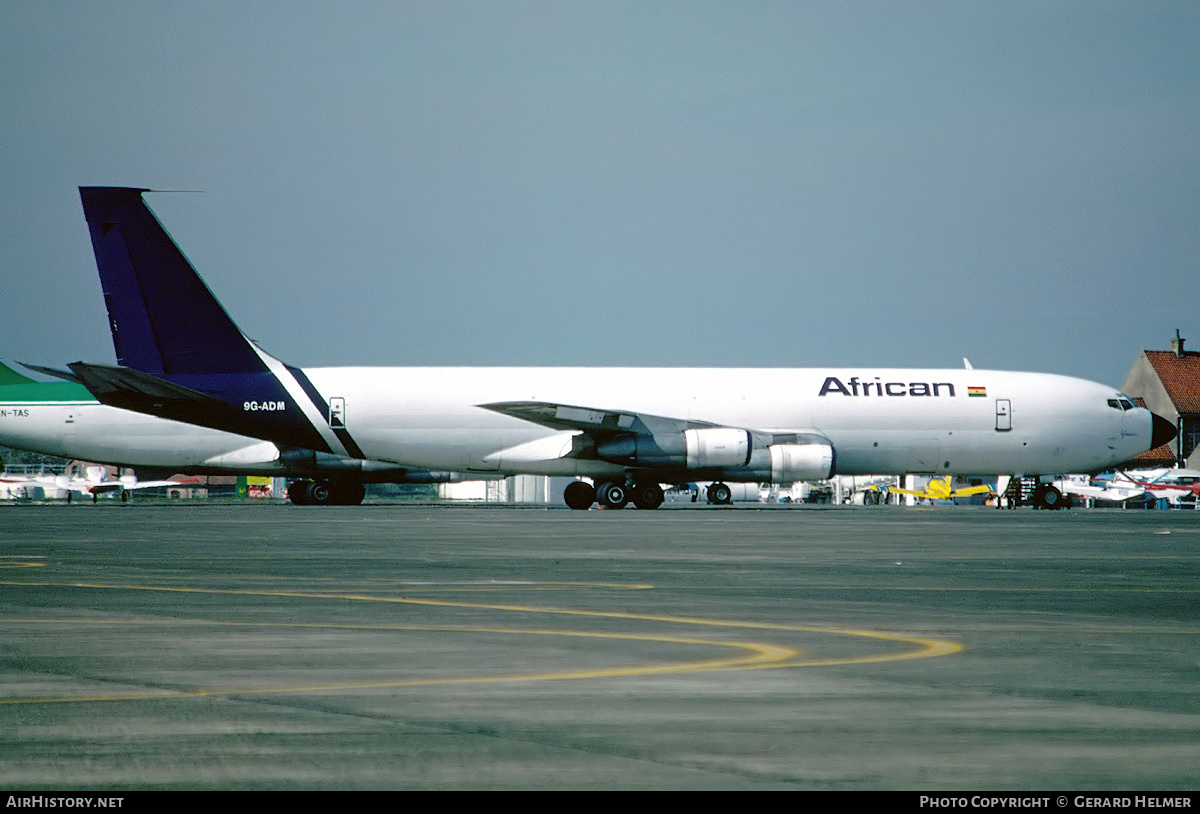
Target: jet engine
x,y
794,462
780,458
717,447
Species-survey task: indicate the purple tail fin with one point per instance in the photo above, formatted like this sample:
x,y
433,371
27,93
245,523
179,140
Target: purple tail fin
x,y
164,319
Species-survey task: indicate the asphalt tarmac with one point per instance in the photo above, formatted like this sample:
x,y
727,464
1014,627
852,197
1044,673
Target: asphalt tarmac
x,y
393,646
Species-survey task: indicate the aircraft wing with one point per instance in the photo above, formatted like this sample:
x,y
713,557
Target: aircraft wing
x,y
644,440
149,484
89,487
1101,493
83,487
607,423
596,422
590,432
21,486
896,490
971,490
1158,483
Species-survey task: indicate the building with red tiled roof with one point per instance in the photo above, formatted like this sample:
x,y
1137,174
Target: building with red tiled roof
x,y
1168,382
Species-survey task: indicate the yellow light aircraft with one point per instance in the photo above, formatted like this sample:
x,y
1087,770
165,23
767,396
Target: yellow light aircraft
x,y
942,489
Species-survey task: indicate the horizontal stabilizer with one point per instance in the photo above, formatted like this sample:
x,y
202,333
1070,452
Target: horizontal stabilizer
x,y
132,389
55,372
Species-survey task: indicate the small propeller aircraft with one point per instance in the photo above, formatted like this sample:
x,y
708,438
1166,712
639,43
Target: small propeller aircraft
x,y
95,482
943,489
1110,491
1176,486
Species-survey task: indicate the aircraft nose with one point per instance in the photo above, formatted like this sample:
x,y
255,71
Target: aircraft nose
x,y
1162,431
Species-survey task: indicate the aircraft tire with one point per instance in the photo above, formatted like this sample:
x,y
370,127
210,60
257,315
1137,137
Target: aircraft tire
x,y
297,492
647,495
720,494
320,493
579,495
612,495
1049,497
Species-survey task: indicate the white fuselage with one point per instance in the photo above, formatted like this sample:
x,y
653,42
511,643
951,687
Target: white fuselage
x,y
879,421
90,431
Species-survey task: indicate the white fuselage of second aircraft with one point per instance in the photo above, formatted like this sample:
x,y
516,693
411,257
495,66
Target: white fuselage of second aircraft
x,y
920,421
85,429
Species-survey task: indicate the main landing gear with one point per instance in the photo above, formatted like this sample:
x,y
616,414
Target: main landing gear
x,y
720,494
326,492
580,495
613,495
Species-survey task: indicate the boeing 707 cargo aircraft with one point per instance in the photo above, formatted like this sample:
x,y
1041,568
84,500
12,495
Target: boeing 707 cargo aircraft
x,y
63,419
629,430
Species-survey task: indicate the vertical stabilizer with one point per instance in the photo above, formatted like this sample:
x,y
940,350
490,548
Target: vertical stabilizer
x,y
181,355
9,376
164,319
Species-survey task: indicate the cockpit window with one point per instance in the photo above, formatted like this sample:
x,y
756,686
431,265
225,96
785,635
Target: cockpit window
x,y
1122,403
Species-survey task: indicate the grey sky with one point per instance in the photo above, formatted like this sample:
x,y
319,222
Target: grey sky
x,y
641,183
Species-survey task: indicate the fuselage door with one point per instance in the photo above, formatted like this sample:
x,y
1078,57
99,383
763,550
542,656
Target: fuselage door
x,y
337,413
1003,415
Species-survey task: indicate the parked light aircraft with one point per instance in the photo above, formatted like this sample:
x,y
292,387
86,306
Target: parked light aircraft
x,y
1176,486
942,489
95,482
63,419
1111,491
627,429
